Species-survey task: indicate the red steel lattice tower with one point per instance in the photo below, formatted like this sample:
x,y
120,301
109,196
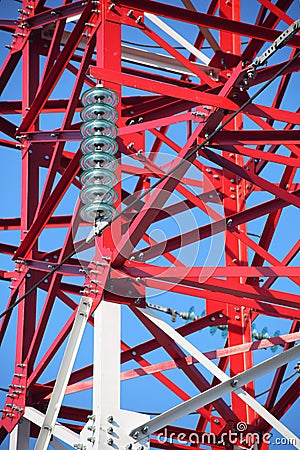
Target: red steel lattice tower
x,y
200,155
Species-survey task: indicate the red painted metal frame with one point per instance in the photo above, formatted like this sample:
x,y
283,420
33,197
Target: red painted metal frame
x,y
231,171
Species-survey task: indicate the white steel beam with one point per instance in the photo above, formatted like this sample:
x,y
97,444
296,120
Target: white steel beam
x,y
57,445
139,56
61,432
228,385
64,374
19,437
178,38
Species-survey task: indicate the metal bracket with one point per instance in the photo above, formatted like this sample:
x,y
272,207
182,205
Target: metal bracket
x,y
277,44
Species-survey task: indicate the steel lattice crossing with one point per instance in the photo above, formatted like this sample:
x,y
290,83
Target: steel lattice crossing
x,y
165,116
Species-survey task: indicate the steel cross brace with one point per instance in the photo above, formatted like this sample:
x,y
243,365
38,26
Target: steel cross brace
x,y
227,385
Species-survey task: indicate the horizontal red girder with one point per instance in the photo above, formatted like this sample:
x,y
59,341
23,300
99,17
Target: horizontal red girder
x,y
214,354
280,137
136,269
202,98
14,223
209,21
260,306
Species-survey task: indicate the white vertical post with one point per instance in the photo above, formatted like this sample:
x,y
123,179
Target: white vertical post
x,y
107,337
109,426
19,437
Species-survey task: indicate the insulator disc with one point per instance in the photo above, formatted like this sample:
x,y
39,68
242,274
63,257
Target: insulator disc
x,y
98,126
99,143
99,95
97,210
98,193
98,160
99,111
98,176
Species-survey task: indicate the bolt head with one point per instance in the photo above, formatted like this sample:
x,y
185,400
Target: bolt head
x,y
110,419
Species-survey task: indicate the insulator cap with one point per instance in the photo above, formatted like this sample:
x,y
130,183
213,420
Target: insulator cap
x,y
99,95
98,160
98,176
99,111
99,143
98,193
89,213
98,126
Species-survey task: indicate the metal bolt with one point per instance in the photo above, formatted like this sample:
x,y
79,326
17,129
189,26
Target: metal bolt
x,y
136,435
91,417
139,19
130,13
145,430
234,383
141,447
110,441
91,439
137,301
111,7
217,421
213,319
18,393
110,419
229,222
91,428
110,430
